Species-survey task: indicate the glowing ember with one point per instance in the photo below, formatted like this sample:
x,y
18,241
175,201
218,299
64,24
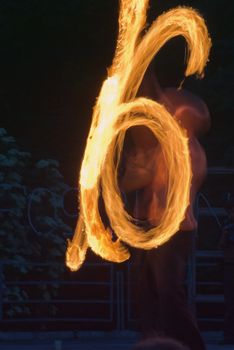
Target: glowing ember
x,y
117,110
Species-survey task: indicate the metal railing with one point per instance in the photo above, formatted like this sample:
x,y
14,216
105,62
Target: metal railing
x,y
116,304
199,258
106,284
117,299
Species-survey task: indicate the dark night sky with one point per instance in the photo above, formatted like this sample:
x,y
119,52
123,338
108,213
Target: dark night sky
x,y
54,56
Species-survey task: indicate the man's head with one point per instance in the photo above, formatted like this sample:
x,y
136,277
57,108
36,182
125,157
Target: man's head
x,y
159,344
189,110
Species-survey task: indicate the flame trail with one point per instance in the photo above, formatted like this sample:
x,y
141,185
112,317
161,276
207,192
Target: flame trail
x,y
117,110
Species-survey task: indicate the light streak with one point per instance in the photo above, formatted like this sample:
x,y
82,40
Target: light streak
x,y
117,109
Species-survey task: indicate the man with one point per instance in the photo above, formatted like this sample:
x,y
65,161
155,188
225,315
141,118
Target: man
x,y
163,304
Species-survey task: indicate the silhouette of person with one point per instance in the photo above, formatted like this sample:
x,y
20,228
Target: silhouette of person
x,y
159,343
163,306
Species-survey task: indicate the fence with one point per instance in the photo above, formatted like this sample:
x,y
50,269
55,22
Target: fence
x,y
101,301
98,296
85,300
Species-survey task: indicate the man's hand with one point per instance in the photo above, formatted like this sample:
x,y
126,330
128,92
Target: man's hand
x,y
139,169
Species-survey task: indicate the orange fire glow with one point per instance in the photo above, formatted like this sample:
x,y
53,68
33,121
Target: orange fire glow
x,y
117,109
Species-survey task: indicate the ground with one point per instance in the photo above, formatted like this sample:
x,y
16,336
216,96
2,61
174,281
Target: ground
x,y
85,341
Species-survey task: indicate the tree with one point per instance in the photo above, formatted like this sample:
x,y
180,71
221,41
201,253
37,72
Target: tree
x,y
31,192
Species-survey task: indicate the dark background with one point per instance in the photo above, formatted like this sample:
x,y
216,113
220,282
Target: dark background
x,y
53,59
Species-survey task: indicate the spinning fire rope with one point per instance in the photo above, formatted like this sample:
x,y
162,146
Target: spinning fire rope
x,y
115,112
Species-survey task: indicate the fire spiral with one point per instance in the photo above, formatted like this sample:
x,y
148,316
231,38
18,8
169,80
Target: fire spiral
x,y
117,109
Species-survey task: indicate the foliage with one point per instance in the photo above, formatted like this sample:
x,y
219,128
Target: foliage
x,y
30,232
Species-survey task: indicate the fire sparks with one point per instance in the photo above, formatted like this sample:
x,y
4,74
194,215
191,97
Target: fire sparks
x,y
117,109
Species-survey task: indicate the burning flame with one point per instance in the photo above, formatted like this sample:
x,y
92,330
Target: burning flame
x,y
117,110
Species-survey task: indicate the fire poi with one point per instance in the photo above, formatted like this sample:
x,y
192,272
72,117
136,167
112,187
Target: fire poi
x,y
117,109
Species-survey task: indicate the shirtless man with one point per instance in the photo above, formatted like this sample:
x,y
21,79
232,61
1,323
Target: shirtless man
x,y
163,303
